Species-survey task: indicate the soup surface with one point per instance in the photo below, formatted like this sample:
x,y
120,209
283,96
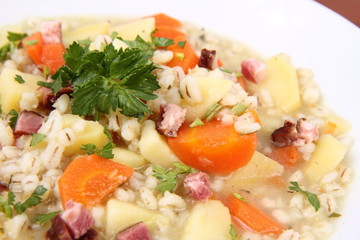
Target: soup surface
x,y
156,129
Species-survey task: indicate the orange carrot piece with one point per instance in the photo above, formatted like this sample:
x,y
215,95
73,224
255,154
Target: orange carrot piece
x,y
184,57
241,81
288,156
34,50
167,32
213,147
219,63
162,19
52,56
90,179
254,115
252,217
329,128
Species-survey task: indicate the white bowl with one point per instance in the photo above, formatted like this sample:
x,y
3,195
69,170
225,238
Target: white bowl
x,y
311,34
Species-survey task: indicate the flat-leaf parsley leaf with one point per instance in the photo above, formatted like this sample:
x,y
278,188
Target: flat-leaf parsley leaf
x,y
313,199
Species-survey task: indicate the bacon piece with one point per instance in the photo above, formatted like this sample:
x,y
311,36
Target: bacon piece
x,y
28,122
51,32
253,70
139,231
89,235
3,185
208,59
77,218
58,230
48,98
170,120
198,186
297,134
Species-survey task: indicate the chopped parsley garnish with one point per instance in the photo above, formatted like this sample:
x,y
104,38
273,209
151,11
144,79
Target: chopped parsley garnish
x,y
14,37
105,151
19,79
36,138
239,109
169,177
5,204
31,42
211,111
197,122
14,118
241,198
181,44
313,199
4,51
33,200
107,80
232,232
45,218
162,42
14,40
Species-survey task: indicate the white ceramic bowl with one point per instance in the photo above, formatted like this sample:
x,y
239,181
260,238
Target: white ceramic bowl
x,y
311,34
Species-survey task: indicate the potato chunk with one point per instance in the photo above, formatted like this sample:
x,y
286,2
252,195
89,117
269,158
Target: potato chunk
x,y
11,91
91,132
128,158
207,220
121,215
328,154
212,90
86,32
154,147
142,27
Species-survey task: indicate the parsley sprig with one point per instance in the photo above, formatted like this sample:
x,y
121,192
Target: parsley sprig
x,y
169,177
14,42
313,199
107,80
105,151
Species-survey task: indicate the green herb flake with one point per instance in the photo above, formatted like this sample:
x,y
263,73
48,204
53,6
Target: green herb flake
x,y
5,204
36,138
181,44
107,80
114,35
169,177
46,71
31,42
89,148
14,37
241,198
85,42
33,200
180,56
335,215
239,109
45,218
105,151
196,123
313,199
14,118
19,79
226,71
232,232
162,42
4,50
211,112
239,75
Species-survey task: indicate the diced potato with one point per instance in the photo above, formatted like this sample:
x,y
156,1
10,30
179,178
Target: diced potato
x,y
258,169
86,32
11,91
269,123
121,215
281,82
212,90
339,124
328,154
207,220
142,27
128,158
154,147
93,132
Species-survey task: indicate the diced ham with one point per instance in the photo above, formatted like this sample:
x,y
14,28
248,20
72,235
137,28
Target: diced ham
x,y
48,98
253,70
170,120
28,122
89,235
3,185
296,134
138,231
58,230
51,32
208,59
198,186
77,218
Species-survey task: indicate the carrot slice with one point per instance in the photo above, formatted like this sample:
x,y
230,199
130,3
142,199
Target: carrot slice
x,y
52,56
241,81
213,147
162,19
288,156
90,179
33,45
252,218
185,56
167,32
